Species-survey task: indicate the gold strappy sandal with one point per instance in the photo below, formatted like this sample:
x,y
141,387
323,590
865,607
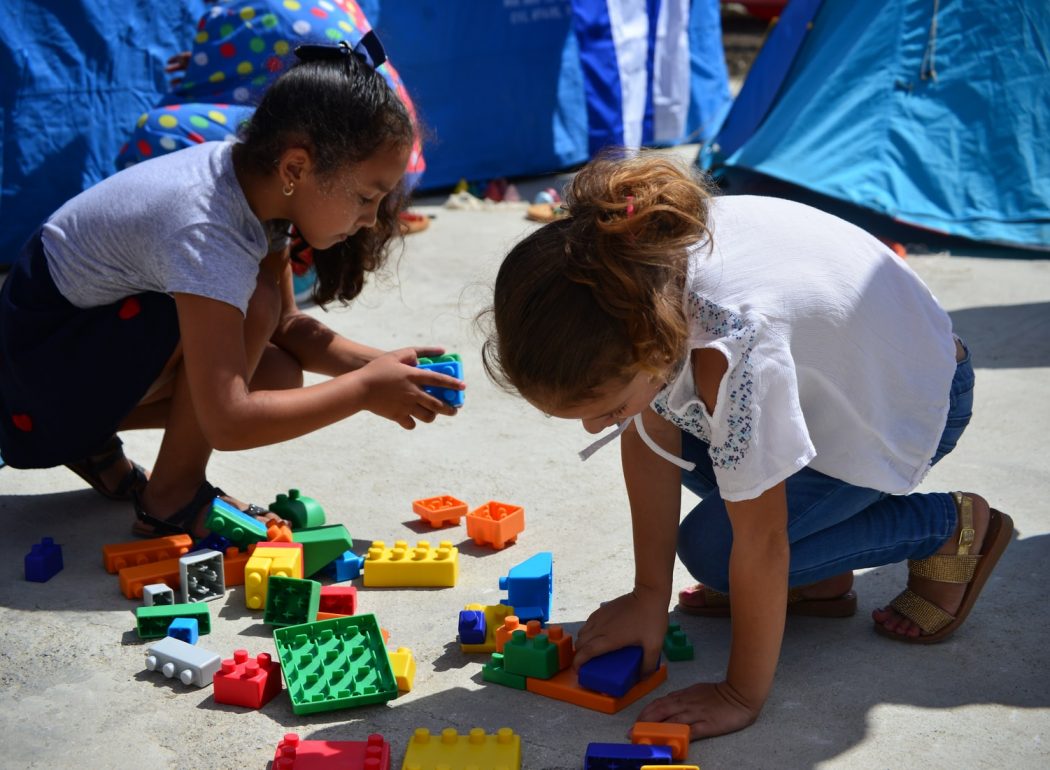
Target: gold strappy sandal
x,y
963,567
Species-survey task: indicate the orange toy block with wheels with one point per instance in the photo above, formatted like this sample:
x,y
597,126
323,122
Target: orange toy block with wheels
x,y
671,734
564,687
496,524
440,511
117,556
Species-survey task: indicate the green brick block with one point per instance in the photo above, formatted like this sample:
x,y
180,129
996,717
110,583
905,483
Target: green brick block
x,y
152,622
676,644
234,525
495,672
302,511
535,657
291,601
440,359
321,545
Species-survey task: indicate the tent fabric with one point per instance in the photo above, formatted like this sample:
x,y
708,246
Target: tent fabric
x,y
933,113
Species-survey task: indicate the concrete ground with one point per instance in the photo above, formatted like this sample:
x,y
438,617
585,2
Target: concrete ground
x,y
74,691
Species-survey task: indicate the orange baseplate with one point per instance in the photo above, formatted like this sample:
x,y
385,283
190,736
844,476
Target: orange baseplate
x,y
563,686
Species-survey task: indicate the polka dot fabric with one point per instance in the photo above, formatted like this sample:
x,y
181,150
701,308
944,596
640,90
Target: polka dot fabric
x,y
176,126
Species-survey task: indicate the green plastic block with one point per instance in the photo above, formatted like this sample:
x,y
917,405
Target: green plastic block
x,y
440,359
676,644
300,510
496,673
234,525
535,657
291,601
335,664
321,545
152,622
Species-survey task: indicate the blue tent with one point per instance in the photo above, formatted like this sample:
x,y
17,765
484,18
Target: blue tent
x,y
934,113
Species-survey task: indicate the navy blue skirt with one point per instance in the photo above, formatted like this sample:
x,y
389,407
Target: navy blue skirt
x,y
69,376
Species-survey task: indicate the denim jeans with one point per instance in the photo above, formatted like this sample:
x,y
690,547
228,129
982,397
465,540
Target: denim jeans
x,y
833,527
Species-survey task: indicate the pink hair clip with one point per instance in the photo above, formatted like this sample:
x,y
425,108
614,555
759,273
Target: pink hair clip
x,y
630,206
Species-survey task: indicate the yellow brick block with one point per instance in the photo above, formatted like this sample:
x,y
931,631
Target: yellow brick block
x,y
501,751
494,617
405,566
404,666
264,562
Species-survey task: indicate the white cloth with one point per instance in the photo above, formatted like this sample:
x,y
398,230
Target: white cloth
x,y
839,356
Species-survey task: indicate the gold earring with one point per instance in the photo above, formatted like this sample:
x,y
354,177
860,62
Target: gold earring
x,y
288,189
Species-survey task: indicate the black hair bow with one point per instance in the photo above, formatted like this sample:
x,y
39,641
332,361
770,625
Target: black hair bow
x,y
368,50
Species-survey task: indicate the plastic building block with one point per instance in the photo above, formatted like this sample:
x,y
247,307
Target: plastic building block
x,y
613,673
563,642
496,524
672,734
234,562
676,644
175,658
472,626
670,767
248,682
624,756
511,623
535,657
333,664
564,687
440,511
201,576
529,587
153,622
404,666
157,594
43,561
449,364
453,751
278,533
302,511
211,542
404,566
117,556
496,616
234,525
186,629
321,545
495,671
291,601
268,560
338,600
346,566
296,754
134,579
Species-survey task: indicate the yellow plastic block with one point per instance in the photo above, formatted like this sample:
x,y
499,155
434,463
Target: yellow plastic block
x,y
495,614
501,751
404,566
404,666
267,560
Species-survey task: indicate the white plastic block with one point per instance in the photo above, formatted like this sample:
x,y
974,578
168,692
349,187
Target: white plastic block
x,y
189,663
156,594
202,577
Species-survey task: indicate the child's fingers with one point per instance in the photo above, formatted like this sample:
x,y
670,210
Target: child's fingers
x,y
423,414
432,379
406,422
429,352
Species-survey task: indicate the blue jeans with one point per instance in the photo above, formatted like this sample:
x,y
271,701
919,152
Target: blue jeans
x,y
833,527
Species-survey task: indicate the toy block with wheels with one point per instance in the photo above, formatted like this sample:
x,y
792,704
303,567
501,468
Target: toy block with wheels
x,y
496,524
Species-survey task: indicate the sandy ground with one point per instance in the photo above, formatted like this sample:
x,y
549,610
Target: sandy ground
x,y
74,691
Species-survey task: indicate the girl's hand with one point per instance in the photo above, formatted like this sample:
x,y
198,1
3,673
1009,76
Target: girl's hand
x,y
708,708
394,388
639,617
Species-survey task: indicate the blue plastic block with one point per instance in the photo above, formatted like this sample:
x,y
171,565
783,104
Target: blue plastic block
x,y
624,756
346,566
452,369
613,673
186,629
529,587
43,561
472,627
211,542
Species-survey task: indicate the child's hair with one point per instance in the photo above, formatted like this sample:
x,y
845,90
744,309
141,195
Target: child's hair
x,y
597,297
342,111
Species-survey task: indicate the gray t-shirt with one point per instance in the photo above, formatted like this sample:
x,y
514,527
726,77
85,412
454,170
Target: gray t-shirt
x,y
176,223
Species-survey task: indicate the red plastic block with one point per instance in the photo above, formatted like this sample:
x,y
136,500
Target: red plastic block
x,y
564,687
672,734
338,600
247,682
134,579
296,754
117,556
440,511
496,524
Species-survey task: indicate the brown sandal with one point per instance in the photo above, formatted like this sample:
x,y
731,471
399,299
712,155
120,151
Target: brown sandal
x,y
716,604
964,567
91,468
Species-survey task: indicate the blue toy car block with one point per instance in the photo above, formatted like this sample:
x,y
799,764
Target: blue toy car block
x,y
613,673
186,629
43,561
453,367
529,587
624,756
472,628
346,566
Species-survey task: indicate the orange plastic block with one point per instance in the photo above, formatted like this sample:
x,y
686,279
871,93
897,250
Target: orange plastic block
x,y
496,524
506,631
564,687
233,563
278,533
117,556
495,616
134,579
563,641
439,511
671,734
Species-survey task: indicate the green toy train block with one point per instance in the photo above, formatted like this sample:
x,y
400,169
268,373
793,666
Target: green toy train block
x,y
676,644
291,601
495,672
321,545
336,663
302,511
236,526
153,622
535,657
